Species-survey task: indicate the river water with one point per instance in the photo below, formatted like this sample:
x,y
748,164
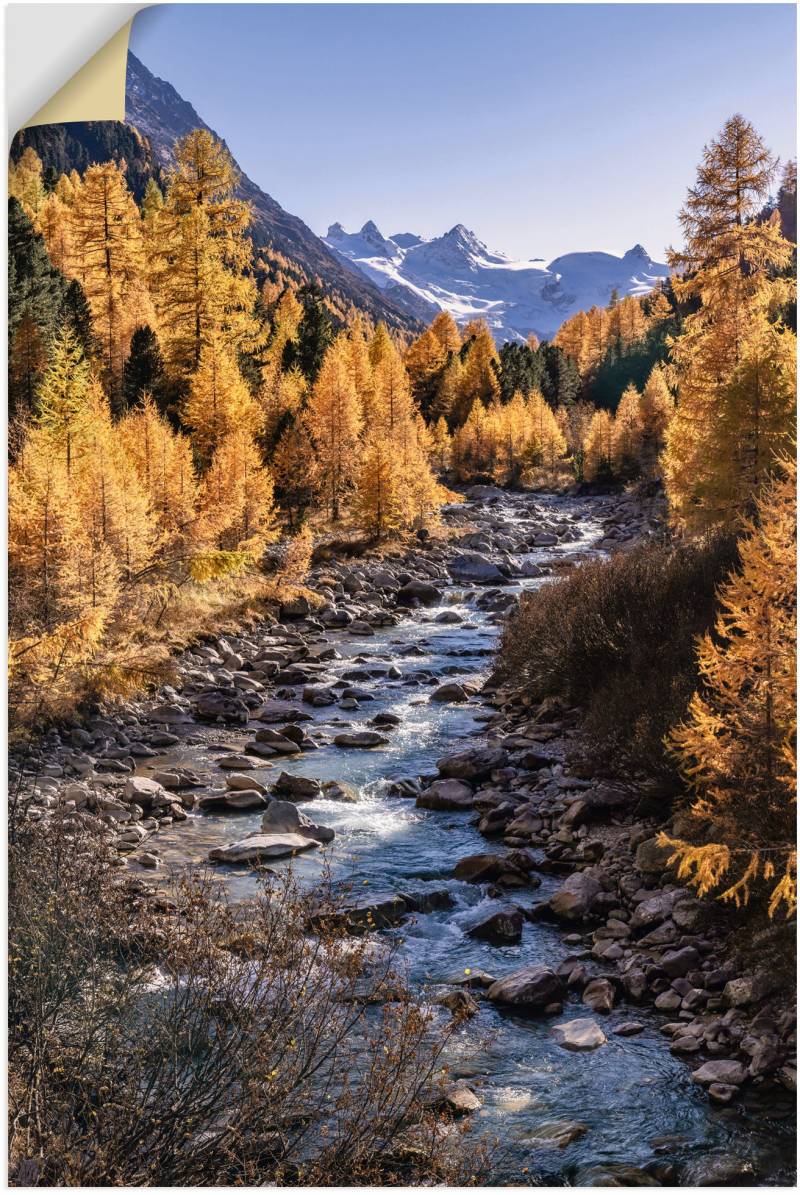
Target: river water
x,y
636,1100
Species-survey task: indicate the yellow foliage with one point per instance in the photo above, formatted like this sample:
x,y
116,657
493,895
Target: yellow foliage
x,y
736,748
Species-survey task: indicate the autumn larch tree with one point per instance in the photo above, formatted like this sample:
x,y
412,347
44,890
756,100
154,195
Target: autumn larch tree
x,y
238,496
737,746
109,261
379,496
334,420
200,255
218,401
734,361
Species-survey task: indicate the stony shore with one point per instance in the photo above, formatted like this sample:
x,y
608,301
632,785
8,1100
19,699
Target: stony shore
x,y
632,935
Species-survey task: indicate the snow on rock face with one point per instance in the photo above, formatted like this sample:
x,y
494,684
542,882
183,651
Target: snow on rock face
x,y
456,272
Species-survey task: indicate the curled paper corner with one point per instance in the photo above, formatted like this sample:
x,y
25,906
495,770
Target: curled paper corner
x,y
96,91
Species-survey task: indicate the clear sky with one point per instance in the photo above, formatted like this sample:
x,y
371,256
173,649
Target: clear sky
x,y
544,128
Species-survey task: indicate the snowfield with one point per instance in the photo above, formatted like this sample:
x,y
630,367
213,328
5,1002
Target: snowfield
x,y
456,272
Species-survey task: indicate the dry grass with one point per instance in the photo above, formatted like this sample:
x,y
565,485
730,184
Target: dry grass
x,y
617,639
182,1040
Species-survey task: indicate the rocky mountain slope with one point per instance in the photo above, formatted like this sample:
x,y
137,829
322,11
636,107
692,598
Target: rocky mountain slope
x,y
155,108
456,272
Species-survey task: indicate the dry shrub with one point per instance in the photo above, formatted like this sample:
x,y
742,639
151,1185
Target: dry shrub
x,y
181,1040
617,639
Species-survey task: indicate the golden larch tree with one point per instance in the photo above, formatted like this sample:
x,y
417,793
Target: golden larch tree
x,y
108,259
628,433
334,419
598,447
379,494
201,255
237,496
218,401
737,746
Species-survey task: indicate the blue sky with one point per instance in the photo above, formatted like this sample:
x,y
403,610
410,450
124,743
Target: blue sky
x,y
544,128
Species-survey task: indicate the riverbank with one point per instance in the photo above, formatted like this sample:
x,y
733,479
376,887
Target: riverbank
x,y
390,635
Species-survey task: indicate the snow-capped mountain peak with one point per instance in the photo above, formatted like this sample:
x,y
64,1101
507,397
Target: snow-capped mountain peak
x,y
456,272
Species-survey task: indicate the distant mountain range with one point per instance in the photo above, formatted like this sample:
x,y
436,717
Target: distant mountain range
x,y
456,272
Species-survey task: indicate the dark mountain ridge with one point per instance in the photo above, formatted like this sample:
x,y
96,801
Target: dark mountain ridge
x,y
156,117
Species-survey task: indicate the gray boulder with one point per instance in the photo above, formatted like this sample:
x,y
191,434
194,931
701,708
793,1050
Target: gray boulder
x,y
581,1034
360,738
296,788
446,794
475,568
261,847
532,988
574,898
284,817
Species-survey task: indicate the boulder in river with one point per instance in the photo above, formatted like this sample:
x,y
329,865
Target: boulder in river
x,y
501,928
360,738
451,691
260,847
241,800
485,869
475,764
599,995
720,1070
278,742
235,780
446,794
555,1134
296,788
418,591
475,568
283,816
581,1034
531,988
221,705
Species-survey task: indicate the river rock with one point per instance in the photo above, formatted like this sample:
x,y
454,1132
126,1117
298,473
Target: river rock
x,y
720,1070
656,908
651,859
446,794
628,1029
221,705
531,988
360,738
475,764
140,790
281,711
615,1174
296,788
234,801
502,928
283,816
599,995
481,869
678,963
474,567
581,1034
418,591
339,790
555,1134
236,780
278,742
450,692
574,898
260,847
376,912
231,762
